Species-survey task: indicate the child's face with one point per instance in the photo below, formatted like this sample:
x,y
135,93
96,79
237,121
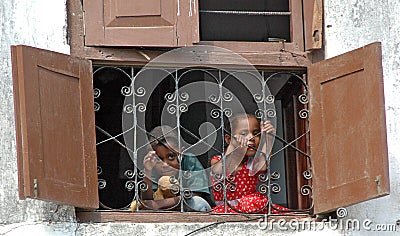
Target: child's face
x,y
169,164
249,129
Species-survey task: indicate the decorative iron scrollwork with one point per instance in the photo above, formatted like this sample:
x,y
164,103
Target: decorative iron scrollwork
x,y
143,186
126,91
307,174
128,108
130,185
99,170
102,183
275,188
275,175
303,113
306,190
303,99
129,174
140,92
96,93
261,114
96,106
216,113
226,97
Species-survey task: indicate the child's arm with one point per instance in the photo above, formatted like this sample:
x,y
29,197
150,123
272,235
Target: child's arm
x,y
149,162
267,129
167,203
160,204
234,156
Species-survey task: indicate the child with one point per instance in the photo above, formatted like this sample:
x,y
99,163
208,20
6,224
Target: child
x,y
243,167
163,161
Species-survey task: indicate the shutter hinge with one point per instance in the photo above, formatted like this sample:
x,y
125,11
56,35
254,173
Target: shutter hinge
x,y
35,188
378,183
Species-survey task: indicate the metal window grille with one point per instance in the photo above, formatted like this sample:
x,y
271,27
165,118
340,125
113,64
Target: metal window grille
x,y
197,102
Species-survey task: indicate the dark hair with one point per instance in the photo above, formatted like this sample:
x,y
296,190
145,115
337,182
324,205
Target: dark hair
x,y
232,122
163,136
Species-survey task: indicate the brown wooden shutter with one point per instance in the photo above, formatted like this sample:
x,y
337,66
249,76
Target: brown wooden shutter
x,y
313,11
348,130
161,23
54,112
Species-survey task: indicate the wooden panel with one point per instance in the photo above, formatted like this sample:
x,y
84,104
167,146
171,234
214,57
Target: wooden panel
x,y
161,23
137,8
296,25
313,12
55,127
348,130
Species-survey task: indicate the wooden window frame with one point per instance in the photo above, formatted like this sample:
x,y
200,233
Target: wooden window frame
x,y
294,128
143,25
263,54
363,64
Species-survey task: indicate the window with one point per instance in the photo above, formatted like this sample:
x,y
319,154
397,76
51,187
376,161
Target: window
x,y
54,109
154,24
312,102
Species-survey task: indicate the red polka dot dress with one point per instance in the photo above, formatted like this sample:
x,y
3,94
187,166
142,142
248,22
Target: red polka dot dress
x,y
241,194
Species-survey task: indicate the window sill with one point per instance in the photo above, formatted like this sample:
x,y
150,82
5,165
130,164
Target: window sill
x,y
174,217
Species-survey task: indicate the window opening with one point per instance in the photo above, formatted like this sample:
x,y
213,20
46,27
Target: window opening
x,y
129,102
253,21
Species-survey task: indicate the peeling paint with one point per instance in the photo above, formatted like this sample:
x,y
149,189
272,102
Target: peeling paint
x,y
356,23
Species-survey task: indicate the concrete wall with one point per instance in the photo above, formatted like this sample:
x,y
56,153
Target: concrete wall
x,y
348,24
31,23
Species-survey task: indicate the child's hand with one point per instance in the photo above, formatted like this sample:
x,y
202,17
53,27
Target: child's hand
x,y
150,160
267,127
241,141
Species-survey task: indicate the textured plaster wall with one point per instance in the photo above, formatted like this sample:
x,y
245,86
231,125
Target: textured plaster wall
x,y
73,229
31,23
350,24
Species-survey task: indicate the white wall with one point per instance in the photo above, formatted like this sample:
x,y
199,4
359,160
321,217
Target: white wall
x,y
28,22
350,24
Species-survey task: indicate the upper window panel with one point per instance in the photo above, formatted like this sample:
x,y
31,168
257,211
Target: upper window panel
x,y
240,20
172,23
140,23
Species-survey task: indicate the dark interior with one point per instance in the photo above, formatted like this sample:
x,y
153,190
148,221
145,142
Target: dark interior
x,y
116,165
234,24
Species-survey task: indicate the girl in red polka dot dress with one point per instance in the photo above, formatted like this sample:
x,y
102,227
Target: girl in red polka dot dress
x,y
242,167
